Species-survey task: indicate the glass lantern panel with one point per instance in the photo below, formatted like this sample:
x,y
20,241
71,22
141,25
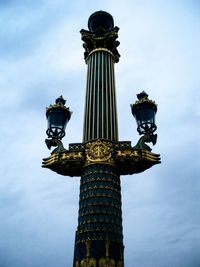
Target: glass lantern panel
x,y
57,119
145,115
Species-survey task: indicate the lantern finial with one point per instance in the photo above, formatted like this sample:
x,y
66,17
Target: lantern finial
x,y
60,100
142,95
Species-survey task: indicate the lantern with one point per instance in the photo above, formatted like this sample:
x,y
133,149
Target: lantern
x,y
144,111
58,116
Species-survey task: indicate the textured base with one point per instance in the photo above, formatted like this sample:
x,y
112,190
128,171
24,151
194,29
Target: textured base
x,y
99,239
101,254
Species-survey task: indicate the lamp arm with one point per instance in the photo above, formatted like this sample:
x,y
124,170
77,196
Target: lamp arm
x,y
147,138
55,142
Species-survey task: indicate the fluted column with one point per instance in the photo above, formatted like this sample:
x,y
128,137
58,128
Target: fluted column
x,y
100,119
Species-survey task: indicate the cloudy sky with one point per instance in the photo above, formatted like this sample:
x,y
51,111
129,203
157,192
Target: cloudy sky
x,y
41,57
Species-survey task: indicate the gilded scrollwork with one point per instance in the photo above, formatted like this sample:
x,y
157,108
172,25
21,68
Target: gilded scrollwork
x,y
72,155
66,163
135,160
127,160
127,153
59,157
99,151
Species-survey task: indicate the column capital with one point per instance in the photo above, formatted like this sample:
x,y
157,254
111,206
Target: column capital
x,y
101,39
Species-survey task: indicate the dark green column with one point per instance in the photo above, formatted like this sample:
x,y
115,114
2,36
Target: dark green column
x,y
100,106
99,237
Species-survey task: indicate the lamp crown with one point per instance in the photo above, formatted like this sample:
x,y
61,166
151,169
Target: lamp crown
x,y
59,104
144,100
142,95
60,100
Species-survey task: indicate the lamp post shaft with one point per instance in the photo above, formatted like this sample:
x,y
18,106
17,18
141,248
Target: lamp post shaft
x,y
99,239
100,104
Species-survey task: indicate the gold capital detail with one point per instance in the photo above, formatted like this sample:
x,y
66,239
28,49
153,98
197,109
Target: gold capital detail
x,y
99,151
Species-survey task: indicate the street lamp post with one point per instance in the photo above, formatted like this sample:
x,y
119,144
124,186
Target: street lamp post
x,y
101,158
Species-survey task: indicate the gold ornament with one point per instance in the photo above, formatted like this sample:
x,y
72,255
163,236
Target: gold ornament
x,y
99,151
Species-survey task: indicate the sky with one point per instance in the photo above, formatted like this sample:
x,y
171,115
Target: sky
x,y
41,57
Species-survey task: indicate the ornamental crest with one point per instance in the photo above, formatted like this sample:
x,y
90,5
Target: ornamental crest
x,y
99,151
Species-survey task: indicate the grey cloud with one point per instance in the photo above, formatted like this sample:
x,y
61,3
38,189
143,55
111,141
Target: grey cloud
x,y
38,207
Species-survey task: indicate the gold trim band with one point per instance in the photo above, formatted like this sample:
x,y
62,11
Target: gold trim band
x,y
101,49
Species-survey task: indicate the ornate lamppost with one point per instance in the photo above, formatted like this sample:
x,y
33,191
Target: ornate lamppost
x,y
101,158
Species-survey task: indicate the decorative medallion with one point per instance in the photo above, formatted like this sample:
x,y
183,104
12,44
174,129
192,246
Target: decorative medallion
x,y
99,151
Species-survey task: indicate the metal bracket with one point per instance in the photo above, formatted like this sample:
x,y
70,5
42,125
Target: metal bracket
x,y
55,142
141,144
